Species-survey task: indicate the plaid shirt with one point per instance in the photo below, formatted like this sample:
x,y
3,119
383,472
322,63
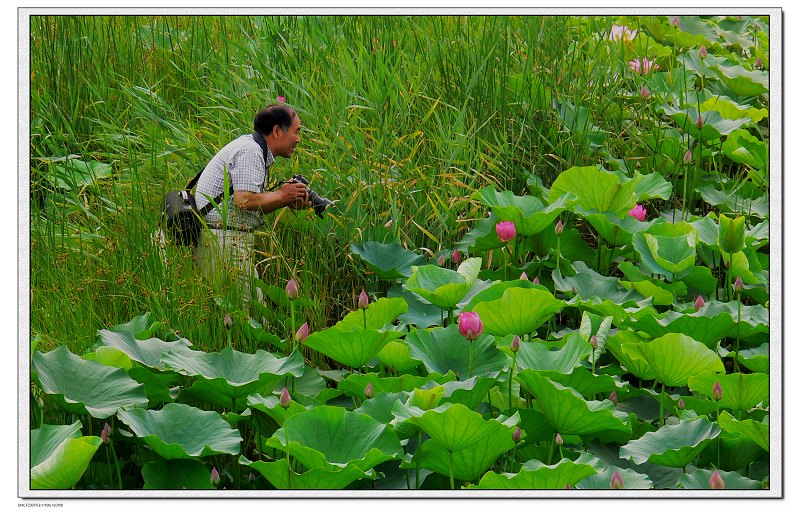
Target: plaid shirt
x,y
247,171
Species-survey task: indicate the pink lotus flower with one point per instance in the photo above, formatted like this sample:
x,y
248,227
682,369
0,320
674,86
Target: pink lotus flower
x,y
699,302
715,482
559,441
593,342
456,258
363,300
681,404
214,476
517,435
639,212
703,53
616,481
675,21
621,32
643,66
291,289
687,157
738,285
645,92
302,333
700,122
716,392
559,227
470,325
515,343
281,99
286,399
759,63
369,392
106,433
506,230
441,260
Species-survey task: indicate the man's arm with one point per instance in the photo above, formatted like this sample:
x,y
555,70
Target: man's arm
x,y
292,195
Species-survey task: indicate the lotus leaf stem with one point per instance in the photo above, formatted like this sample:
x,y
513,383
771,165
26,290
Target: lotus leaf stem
x,y
288,461
452,482
511,379
470,359
661,407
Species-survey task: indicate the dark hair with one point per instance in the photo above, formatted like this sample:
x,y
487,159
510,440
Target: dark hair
x,y
271,115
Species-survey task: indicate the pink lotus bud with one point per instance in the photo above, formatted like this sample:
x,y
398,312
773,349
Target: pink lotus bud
x,y
517,436
440,260
470,325
593,342
506,230
559,227
106,433
675,21
227,321
645,92
214,476
639,212
687,157
739,18
681,404
700,121
363,300
568,487
738,285
369,392
523,276
574,290
281,99
286,399
703,53
535,280
291,289
614,398
559,441
302,333
251,477
759,63
515,343
616,481
456,258
716,392
699,302
715,482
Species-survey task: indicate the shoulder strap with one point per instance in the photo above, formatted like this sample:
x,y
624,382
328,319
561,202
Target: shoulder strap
x,y
258,138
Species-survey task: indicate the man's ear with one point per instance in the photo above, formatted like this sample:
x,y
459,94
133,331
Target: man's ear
x,y
276,130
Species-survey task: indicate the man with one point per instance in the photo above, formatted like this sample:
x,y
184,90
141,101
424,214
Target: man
x,y
225,251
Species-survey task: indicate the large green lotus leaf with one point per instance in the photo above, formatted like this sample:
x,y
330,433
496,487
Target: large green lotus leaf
x,y
591,285
657,291
743,82
595,190
470,463
82,386
333,438
730,452
353,348
731,234
708,325
528,213
60,456
518,312
454,426
272,407
276,472
396,355
584,382
666,248
354,384
750,429
619,313
389,261
176,475
421,313
469,392
730,109
740,392
535,475
567,412
381,405
158,385
482,237
743,148
736,201
443,287
698,480
496,290
377,315
624,345
147,352
142,327
536,356
110,357
700,280
649,186
756,359
444,349
673,445
180,431
613,229
675,358
632,480
714,125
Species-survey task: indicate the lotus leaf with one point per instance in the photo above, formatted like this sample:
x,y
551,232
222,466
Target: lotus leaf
x,y
176,475
420,313
380,407
60,456
110,357
518,312
708,325
730,109
445,349
750,429
649,186
377,315
147,352
614,230
529,215
389,261
631,480
82,386
743,82
320,478
675,358
272,407
469,392
714,125
354,384
142,327
536,356
482,237
731,234
730,452
624,346
740,392
591,285
596,190
443,287
567,412
757,360
667,249
698,480
743,148
584,382
673,445
354,348
454,426
180,431
535,475
333,438
396,355
496,290
736,201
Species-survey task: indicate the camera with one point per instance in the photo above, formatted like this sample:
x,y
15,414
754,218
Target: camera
x,y
320,203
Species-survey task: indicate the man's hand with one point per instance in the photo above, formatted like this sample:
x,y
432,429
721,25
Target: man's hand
x,y
294,195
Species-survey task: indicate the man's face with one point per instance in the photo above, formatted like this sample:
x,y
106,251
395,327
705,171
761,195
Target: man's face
x,y
285,141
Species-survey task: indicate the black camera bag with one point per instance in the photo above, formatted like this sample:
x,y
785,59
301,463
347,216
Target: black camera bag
x,y
182,219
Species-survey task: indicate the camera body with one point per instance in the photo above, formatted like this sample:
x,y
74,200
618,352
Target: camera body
x,y
320,203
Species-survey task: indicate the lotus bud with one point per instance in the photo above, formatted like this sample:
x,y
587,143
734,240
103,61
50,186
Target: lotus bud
x,y
227,321
738,285
739,18
470,325
675,21
281,99
614,398
286,399
535,280
700,121
568,487
715,482
517,435
291,289
574,291
251,477
759,63
681,404
639,212
363,300
699,302
559,227
593,342
515,343
456,258
645,92
441,260
104,434
523,276
40,403
506,230
703,53
369,392
559,441
616,481
214,476
687,157
302,333
716,392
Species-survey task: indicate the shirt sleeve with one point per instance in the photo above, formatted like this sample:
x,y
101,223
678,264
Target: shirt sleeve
x,y
247,171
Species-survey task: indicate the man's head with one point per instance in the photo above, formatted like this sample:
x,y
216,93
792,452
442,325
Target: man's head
x,y
280,127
